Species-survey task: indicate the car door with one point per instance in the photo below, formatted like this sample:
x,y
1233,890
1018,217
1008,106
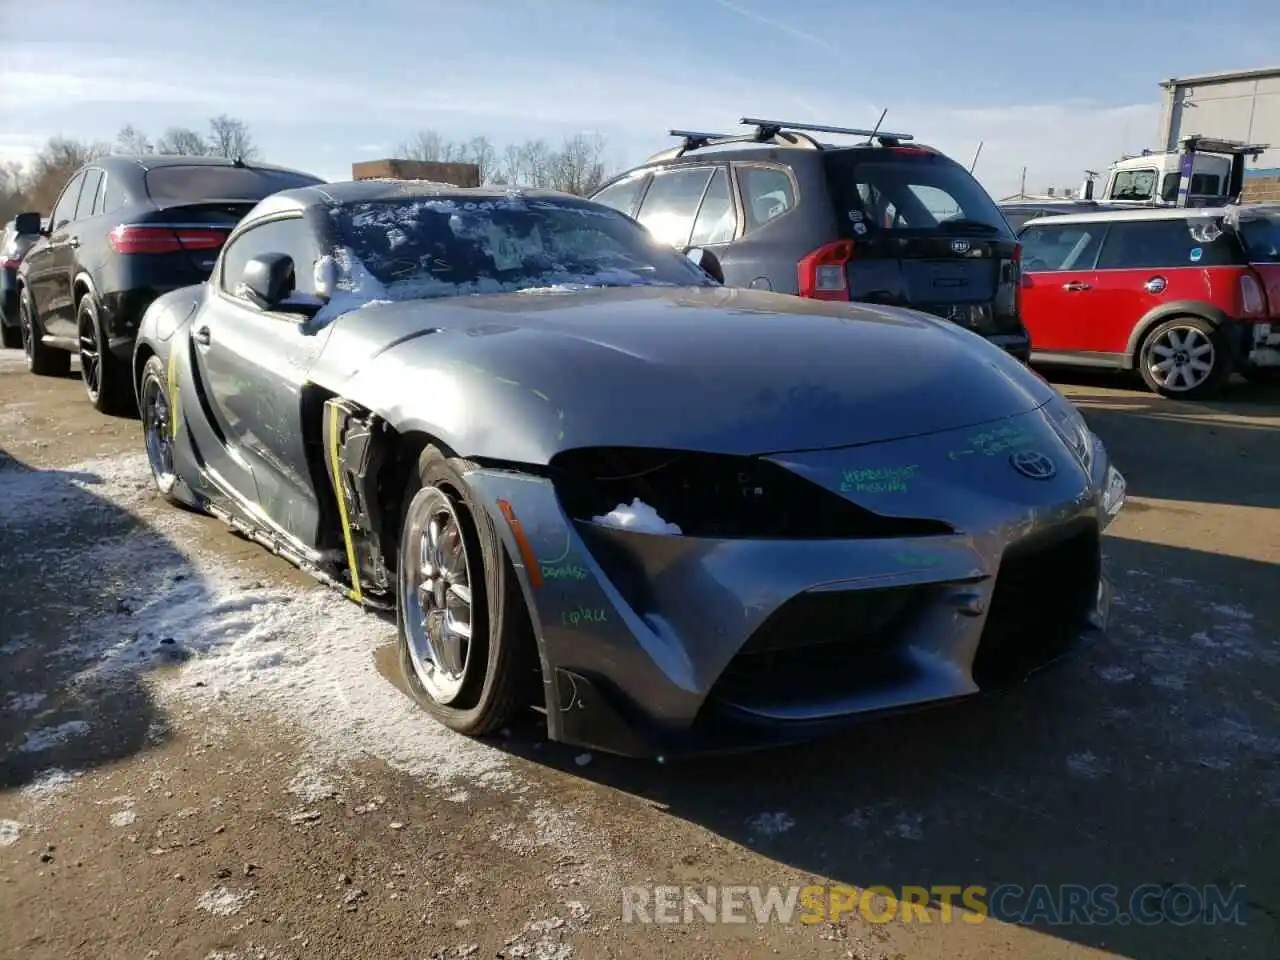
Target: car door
x,y
49,264
254,364
671,203
1147,263
1058,280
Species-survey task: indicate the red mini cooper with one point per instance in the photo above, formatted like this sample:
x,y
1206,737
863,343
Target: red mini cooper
x,y
1185,296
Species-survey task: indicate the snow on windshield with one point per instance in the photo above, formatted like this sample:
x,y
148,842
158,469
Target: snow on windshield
x,y
412,248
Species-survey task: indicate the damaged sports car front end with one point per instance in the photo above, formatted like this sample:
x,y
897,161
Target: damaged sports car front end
x,y
705,518
789,594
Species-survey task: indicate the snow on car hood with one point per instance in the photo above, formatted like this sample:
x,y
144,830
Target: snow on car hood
x,y
723,370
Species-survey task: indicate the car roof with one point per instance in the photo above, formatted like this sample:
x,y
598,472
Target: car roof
x,y
153,161
1145,213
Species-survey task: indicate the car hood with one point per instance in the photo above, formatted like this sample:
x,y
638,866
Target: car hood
x,y
522,376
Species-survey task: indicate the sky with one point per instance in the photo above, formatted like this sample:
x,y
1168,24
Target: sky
x,y
1050,86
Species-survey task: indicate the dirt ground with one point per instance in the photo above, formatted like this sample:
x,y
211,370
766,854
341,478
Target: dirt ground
x,y
201,754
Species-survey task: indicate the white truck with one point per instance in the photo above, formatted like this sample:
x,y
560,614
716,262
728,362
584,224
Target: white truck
x,y
1204,172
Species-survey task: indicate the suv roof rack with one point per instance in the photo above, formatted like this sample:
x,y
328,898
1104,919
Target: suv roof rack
x,y
774,131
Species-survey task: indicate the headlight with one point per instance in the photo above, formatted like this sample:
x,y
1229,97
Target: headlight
x,y
1074,432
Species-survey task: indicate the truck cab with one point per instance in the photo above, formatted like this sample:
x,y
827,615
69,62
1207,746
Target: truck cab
x,y
1203,172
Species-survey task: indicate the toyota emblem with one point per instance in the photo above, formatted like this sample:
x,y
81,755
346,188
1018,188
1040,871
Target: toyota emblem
x,y
1033,464
959,246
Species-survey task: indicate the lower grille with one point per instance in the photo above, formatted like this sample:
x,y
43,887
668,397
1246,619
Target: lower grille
x,y
1045,590
829,643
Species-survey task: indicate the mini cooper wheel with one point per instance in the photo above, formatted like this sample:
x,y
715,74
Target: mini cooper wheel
x,y
1185,358
465,638
105,377
157,426
42,360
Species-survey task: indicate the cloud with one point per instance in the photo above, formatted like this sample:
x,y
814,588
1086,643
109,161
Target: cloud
x,y
92,93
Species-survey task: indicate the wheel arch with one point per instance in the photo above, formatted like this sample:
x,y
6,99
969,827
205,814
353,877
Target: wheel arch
x,y
1169,311
83,284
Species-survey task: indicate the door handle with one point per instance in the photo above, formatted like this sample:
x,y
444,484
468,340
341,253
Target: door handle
x,y
1155,285
201,336
1075,286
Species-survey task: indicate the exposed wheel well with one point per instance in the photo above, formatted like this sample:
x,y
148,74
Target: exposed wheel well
x,y
140,358
79,289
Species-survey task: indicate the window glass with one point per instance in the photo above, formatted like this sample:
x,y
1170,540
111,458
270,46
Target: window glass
x,y
1071,246
1183,242
64,211
1261,235
291,236
214,182
622,196
923,193
1135,185
1169,187
113,196
417,247
767,194
717,220
671,203
1205,184
89,193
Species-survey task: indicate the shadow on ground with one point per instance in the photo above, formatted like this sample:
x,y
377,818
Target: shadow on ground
x,y
1152,757
70,692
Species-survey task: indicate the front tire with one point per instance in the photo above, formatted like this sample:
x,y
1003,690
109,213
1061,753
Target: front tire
x,y
466,644
106,379
154,406
42,360
1185,358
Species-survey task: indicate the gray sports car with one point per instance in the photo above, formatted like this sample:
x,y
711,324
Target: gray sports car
x,y
589,479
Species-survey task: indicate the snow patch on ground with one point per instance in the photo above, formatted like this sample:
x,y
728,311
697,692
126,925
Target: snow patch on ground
x,y
123,818
45,738
224,902
10,832
25,702
771,824
48,785
312,784
60,498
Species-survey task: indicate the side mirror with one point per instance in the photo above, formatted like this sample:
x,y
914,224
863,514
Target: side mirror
x,y
268,280
707,261
27,225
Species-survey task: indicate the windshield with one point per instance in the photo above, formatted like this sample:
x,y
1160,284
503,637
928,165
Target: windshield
x,y
419,247
212,182
909,193
1260,235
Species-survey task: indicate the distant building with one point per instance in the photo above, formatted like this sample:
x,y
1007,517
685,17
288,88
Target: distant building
x,y
458,174
1242,105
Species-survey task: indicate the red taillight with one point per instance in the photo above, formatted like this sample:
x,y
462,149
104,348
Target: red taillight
x,y
9,263
128,238
1253,297
822,273
916,151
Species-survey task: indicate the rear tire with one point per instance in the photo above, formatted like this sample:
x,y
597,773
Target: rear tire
x,y
473,687
42,360
1185,358
106,378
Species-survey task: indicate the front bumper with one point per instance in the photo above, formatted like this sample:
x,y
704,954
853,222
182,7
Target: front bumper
x,y
655,645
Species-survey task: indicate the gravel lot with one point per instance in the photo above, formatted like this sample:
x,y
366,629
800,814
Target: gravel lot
x,y
201,754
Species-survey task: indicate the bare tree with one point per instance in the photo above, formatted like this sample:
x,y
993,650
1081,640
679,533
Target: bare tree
x,y
182,142
426,145
131,140
13,182
54,165
481,152
577,167
230,138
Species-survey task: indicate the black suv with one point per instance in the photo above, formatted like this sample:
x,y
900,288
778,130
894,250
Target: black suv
x,y
883,221
123,231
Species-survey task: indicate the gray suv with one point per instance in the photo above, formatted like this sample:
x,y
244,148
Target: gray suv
x,y
882,221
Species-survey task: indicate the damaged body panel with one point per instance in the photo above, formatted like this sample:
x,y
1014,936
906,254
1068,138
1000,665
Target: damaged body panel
x,y
727,518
